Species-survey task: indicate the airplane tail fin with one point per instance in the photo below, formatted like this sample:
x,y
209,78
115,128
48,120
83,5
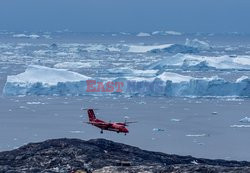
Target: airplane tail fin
x,y
91,114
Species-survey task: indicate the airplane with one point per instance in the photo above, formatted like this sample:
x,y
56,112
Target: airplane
x,y
110,126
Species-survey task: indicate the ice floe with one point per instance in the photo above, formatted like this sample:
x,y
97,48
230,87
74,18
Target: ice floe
x,y
34,103
245,120
158,130
175,120
240,126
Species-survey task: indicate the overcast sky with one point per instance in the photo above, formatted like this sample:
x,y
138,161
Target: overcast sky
x,y
125,15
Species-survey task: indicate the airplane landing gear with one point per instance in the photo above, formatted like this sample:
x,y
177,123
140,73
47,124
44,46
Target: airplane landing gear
x,y
101,131
125,134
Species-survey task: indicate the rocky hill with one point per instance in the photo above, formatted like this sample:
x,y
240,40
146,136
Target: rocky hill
x,y
100,155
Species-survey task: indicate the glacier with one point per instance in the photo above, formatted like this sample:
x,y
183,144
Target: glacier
x,y
40,80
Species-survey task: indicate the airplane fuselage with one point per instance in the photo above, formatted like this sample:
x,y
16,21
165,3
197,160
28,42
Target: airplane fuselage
x,y
117,127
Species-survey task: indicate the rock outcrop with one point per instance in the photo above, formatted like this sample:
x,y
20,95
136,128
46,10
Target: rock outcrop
x,y
100,155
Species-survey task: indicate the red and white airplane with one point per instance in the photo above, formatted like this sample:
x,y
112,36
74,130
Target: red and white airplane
x,y
110,126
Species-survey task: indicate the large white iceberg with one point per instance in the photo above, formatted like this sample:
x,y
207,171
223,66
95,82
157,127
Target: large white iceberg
x,y
39,80
176,85
45,75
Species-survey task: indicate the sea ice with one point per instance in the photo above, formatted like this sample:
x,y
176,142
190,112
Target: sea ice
x,y
76,65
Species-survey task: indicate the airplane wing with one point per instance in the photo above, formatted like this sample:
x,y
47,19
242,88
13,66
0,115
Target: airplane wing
x,y
99,123
126,123
129,122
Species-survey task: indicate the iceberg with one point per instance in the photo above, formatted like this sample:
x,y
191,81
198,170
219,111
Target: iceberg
x,y
172,33
190,46
166,33
176,85
146,48
45,75
32,36
177,48
195,65
201,45
202,63
143,34
39,80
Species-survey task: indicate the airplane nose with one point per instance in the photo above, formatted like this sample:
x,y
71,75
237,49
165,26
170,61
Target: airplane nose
x,y
126,130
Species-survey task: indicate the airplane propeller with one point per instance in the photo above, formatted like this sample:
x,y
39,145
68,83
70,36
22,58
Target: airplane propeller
x,y
90,108
126,123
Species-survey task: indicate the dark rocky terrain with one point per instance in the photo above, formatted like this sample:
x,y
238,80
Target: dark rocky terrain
x,y
100,155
